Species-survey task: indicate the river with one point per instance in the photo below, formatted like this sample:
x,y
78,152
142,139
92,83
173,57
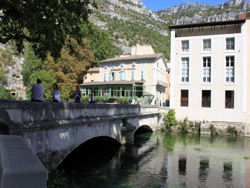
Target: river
x,y
161,159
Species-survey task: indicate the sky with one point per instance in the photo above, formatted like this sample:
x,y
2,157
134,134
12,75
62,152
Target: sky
x,y
155,5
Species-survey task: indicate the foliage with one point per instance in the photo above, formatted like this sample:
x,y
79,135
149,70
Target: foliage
x,y
232,130
212,130
194,127
3,79
6,57
170,119
246,158
5,94
48,79
100,43
31,64
69,69
184,126
45,24
56,178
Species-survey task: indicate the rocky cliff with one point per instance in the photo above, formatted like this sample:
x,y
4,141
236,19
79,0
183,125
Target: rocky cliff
x,y
129,22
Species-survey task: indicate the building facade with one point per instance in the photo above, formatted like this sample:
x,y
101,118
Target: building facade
x,y
210,70
141,74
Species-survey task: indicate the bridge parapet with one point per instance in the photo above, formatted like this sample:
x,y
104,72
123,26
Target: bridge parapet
x,y
26,111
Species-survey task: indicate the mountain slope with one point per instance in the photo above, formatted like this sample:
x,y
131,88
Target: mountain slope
x,y
129,22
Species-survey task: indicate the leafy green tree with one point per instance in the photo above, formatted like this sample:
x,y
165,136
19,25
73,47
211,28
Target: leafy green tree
x,y
3,79
45,24
170,119
31,64
100,43
5,94
48,79
73,63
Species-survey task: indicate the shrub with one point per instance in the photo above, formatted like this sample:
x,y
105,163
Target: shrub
x,y
212,130
232,130
170,119
184,126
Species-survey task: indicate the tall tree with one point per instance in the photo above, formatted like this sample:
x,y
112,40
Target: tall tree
x,y
71,66
31,64
44,23
100,42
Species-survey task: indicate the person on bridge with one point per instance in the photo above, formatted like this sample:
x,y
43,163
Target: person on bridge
x,y
37,92
91,97
77,97
56,93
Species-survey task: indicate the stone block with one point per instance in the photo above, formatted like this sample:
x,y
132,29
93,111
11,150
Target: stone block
x,y
20,168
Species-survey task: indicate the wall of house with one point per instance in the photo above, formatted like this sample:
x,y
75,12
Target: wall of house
x,y
247,42
218,86
154,71
91,76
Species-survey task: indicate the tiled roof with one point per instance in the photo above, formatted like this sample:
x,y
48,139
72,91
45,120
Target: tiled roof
x,y
133,57
121,82
95,69
206,24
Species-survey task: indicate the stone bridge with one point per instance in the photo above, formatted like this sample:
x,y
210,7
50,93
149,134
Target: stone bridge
x,y
53,130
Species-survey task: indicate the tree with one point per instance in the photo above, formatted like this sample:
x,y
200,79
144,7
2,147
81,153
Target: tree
x,y
48,79
31,64
100,43
5,94
73,63
170,119
44,23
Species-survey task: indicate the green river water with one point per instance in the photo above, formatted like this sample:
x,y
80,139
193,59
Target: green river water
x,y
161,159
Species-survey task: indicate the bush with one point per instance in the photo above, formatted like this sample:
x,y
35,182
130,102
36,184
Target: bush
x,y
184,126
170,119
232,130
5,94
212,130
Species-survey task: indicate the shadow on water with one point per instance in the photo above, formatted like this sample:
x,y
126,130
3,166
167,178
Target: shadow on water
x,y
227,172
90,154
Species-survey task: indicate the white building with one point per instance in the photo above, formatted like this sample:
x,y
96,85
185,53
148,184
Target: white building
x,y
210,70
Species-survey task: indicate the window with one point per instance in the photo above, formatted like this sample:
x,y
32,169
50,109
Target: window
x,y
122,64
184,97
206,98
207,44
105,76
206,69
185,69
143,76
230,69
229,99
133,64
230,43
113,76
122,75
185,45
133,75
105,66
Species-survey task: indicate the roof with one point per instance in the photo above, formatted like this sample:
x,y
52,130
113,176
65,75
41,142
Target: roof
x,y
133,57
121,82
229,22
95,69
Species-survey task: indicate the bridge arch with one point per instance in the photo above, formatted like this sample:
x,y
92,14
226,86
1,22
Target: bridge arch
x,y
143,129
90,152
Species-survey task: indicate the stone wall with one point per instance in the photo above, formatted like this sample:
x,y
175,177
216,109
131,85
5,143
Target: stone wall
x,y
222,127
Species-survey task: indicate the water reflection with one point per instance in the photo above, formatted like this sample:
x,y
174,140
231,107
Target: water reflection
x,y
168,160
227,172
182,165
203,170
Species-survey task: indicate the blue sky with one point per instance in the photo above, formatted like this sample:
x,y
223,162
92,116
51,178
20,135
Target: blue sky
x,y
155,5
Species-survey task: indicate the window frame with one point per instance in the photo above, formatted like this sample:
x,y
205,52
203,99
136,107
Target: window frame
x,y
204,103
184,100
186,77
227,70
183,47
208,69
232,99
229,49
